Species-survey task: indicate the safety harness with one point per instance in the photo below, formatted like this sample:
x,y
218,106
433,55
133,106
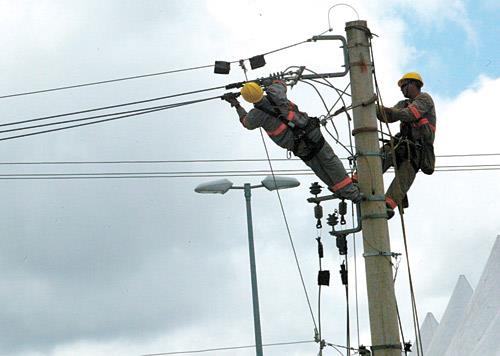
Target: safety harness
x,y
420,148
300,135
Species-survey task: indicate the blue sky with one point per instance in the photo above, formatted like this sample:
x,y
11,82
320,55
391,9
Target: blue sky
x,y
450,55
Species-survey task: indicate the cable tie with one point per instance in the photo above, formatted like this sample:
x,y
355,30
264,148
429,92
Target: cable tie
x,y
367,154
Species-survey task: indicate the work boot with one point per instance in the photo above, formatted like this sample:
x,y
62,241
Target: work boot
x,y
390,212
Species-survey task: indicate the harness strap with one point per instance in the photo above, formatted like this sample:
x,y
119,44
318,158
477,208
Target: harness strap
x,y
425,121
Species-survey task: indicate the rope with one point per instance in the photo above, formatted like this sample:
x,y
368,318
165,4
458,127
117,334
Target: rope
x,y
289,233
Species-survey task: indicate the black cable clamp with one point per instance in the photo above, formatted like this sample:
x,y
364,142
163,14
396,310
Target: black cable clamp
x,y
361,28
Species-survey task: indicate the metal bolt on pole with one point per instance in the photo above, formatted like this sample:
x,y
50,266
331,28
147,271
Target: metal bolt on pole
x,y
379,278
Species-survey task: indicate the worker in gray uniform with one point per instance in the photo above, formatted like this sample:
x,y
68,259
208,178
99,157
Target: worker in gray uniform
x,y
414,144
295,131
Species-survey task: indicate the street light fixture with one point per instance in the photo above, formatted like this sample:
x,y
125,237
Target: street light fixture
x,y
270,183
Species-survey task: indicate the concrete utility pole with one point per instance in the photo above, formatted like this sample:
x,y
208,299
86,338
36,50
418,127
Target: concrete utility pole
x,y
377,250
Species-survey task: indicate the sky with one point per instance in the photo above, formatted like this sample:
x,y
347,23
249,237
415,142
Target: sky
x,y
135,266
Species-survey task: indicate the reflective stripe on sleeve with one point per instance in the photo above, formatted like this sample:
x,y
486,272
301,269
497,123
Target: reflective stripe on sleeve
x,y
343,183
389,201
415,111
282,127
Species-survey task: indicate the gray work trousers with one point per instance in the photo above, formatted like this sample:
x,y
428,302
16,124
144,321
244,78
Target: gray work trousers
x,y
331,171
405,175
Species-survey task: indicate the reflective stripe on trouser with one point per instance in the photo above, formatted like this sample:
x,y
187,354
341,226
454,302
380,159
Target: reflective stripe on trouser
x,y
331,171
400,186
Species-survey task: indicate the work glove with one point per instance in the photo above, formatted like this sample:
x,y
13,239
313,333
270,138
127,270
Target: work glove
x,y
231,98
383,112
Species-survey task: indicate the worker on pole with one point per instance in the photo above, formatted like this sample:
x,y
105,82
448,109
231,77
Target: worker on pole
x,y
295,131
413,145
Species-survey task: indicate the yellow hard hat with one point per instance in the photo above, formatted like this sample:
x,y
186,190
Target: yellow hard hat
x,y
411,75
252,92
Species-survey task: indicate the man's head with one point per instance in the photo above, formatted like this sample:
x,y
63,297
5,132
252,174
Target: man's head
x,y
252,92
410,84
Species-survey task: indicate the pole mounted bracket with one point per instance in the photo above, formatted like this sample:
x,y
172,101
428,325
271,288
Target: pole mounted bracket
x,y
381,253
367,154
385,347
364,129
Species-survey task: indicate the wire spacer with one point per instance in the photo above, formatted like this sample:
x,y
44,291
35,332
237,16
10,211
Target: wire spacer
x,y
381,253
364,129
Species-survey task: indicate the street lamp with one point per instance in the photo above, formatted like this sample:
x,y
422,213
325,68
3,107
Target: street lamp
x,y
270,183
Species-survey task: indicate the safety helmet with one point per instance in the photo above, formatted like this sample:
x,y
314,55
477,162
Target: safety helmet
x,y
412,76
252,92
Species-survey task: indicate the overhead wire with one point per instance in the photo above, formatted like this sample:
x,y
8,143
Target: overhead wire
x,y
113,106
228,348
236,160
146,111
165,174
103,82
146,75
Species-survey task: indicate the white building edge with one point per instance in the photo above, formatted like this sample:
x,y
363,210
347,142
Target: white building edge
x,y
471,323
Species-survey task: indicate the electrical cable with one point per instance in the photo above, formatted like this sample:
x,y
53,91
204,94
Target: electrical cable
x,y
238,160
104,82
144,75
113,106
341,4
174,174
227,348
166,107
86,118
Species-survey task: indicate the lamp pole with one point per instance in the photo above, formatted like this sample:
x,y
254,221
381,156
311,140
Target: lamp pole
x,y
270,183
253,272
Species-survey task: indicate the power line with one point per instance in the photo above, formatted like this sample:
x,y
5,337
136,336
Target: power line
x,y
227,348
235,160
144,75
147,111
113,106
192,174
104,81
